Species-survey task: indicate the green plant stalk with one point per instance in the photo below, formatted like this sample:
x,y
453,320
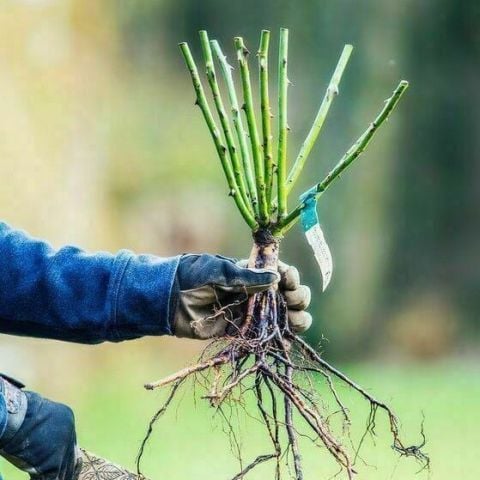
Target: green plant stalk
x,y
242,54
222,115
201,101
330,94
282,124
237,123
266,114
352,154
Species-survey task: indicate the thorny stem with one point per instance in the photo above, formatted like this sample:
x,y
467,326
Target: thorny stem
x,y
352,154
221,150
266,114
222,115
282,124
242,56
330,94
237,123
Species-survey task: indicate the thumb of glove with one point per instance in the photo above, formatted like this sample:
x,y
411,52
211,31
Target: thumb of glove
x,y
253,280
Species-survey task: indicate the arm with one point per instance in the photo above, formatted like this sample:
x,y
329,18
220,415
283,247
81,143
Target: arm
x,y
87,298
74,296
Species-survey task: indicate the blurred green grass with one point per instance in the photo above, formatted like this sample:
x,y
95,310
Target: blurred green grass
x,y
112,413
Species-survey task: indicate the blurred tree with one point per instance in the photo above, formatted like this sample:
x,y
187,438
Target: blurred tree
x,y
436,227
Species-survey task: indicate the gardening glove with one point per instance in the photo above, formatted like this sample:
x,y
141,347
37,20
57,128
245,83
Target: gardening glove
x,y
296,295
40,434
211,291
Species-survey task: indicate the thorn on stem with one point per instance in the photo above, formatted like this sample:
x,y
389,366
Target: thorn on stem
x,y
333,89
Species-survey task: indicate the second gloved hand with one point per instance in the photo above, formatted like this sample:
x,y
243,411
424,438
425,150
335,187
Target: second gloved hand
x,y
205,284
40,434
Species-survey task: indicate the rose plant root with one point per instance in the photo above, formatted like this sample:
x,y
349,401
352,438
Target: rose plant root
x,y
263,356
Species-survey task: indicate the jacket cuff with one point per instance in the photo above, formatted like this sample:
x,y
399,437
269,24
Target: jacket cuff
x,y
142,295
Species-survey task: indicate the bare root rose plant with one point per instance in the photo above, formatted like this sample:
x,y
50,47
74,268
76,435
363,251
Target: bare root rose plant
x,y
263,356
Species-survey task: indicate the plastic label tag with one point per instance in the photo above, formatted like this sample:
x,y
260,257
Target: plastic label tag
x,y
315,237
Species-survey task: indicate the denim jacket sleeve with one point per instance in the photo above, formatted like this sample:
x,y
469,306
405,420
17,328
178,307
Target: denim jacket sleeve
x,y
79,297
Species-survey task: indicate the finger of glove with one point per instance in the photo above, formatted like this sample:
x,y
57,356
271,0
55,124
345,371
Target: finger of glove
x,y
299,320
298,299
290,278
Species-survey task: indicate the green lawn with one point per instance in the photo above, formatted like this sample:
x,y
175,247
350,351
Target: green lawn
x,y
112,412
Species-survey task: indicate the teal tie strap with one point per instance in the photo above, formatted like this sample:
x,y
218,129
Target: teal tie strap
x,y
309,217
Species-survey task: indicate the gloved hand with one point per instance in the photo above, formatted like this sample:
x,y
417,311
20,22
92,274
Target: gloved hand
x,y
206,284
40,434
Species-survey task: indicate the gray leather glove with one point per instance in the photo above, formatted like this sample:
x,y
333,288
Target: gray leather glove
x,y
211,293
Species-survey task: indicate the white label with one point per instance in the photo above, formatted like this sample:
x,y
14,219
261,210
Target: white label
x,y
322,253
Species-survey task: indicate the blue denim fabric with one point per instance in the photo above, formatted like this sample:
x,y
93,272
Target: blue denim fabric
x,y
78,297
74,296
3,417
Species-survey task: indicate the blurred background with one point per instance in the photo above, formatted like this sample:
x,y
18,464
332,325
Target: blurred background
x,y
101,146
